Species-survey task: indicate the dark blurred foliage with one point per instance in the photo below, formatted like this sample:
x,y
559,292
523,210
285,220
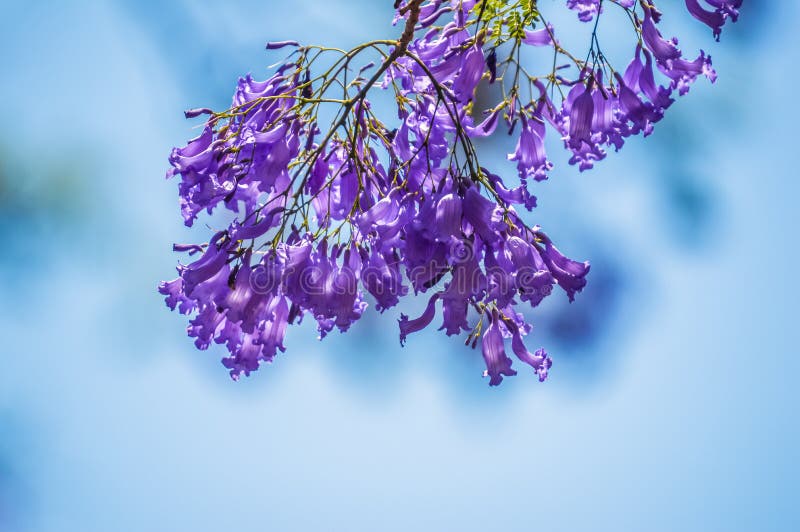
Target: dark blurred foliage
x,y
39,199
578,325
688,192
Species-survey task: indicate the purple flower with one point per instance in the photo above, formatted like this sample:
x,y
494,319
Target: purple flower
x,y
494,354
532,279
530,153
448,218
539,361
570,274
715,19
581,114
540,37
683,73
382,278
587,9
663,50
469,73
483,215
411,326
658,96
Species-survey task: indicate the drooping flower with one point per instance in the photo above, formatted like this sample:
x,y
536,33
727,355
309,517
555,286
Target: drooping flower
x,y
494,354
530,153
715,19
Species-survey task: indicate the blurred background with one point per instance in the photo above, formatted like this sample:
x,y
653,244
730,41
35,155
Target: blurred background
x,y
671,404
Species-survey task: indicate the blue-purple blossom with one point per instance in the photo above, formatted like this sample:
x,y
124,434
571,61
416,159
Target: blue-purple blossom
x,y
530,152
715,12
587,9
327,219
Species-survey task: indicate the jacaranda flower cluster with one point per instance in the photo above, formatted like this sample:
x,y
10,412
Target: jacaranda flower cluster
x,y
335,207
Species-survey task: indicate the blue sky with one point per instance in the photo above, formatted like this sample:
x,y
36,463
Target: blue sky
x,y
671,406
